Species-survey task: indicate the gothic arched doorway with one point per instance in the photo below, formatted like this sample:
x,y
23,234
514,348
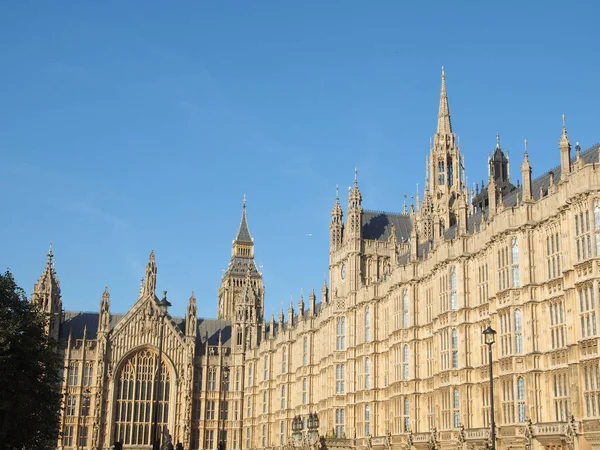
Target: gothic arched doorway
x,y
135,398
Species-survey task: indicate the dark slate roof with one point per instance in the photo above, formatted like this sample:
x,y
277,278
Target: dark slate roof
x,y
377,225
243,234
74,322
239,267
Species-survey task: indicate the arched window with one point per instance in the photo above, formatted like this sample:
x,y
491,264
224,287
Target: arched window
x,y
265,402
283,397
304,391
405,309
454,348
453,299
282,434
284,360
237,380
134,409
441,171
367,373
305,351
367,324
521,399
266,371
518,332
264,436
515,263
406,415
456,409
367,420
405,362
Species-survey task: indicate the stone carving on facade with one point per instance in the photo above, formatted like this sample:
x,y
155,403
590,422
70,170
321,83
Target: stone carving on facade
x,y
432,444
388,439
461,435
528,434
571,433
409,440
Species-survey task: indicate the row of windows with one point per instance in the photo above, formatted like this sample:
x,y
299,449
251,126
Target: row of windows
x,y
73,374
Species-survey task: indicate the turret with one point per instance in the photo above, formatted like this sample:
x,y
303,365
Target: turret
x,y
526,176
565,153
149,286
353,221
301,307
312,303
324,293
46,295
336,228
191,318
104,318
291,314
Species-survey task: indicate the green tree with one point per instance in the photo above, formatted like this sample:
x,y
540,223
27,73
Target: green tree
x,y
30,373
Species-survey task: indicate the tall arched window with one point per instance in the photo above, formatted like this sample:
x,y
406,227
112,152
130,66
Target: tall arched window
x,y
367,373
367,324
305,351
304,391
441,175
367,420
454,348
515,263
134,409
518,332
521,399
453,299
283,397
456,409
284,360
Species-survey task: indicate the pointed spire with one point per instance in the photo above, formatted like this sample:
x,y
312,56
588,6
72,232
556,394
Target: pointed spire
x,y
104,319
150,278
444,125
48,282
527,193
324,292
497,140
565,152
312,303
243,234
301,305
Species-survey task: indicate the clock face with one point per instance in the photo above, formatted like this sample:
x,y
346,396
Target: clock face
x,y
343,272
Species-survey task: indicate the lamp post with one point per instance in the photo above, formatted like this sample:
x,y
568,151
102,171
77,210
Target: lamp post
x,y
309,438
224,385
163,306
489,335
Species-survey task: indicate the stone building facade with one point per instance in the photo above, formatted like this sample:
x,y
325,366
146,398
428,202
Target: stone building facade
x,y
391,354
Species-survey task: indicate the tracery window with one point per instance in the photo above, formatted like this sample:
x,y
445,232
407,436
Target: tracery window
x,y
453,298
304,391
367,420
441,173
406,415
135,398
283,397
305,351
73,374
339,423
340,332
405,309
521,399
518,331
515,263
367,373
87,374
557,322
587,311
284,360
582,234
212,379
553,255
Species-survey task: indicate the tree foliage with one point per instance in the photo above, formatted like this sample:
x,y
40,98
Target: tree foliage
x,y
30,373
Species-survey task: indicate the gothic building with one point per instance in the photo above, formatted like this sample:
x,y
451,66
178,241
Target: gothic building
x,y
392,354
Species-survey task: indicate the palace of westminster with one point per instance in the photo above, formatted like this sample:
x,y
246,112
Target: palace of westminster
x,y
390,353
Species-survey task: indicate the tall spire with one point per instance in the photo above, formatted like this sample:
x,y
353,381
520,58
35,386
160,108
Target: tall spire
x,y
444,125
48,281
150,278
243,234
46,294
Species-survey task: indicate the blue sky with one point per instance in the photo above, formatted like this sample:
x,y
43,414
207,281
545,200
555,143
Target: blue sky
x,y
131,126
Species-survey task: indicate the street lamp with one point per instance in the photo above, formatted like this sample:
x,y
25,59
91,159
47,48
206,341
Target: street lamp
x,y
163,306
489,335
222,410
309,438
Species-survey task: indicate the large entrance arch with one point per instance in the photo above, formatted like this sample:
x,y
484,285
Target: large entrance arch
x,y
135,398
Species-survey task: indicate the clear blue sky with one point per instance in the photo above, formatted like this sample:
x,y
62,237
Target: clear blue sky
x,y
127,126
